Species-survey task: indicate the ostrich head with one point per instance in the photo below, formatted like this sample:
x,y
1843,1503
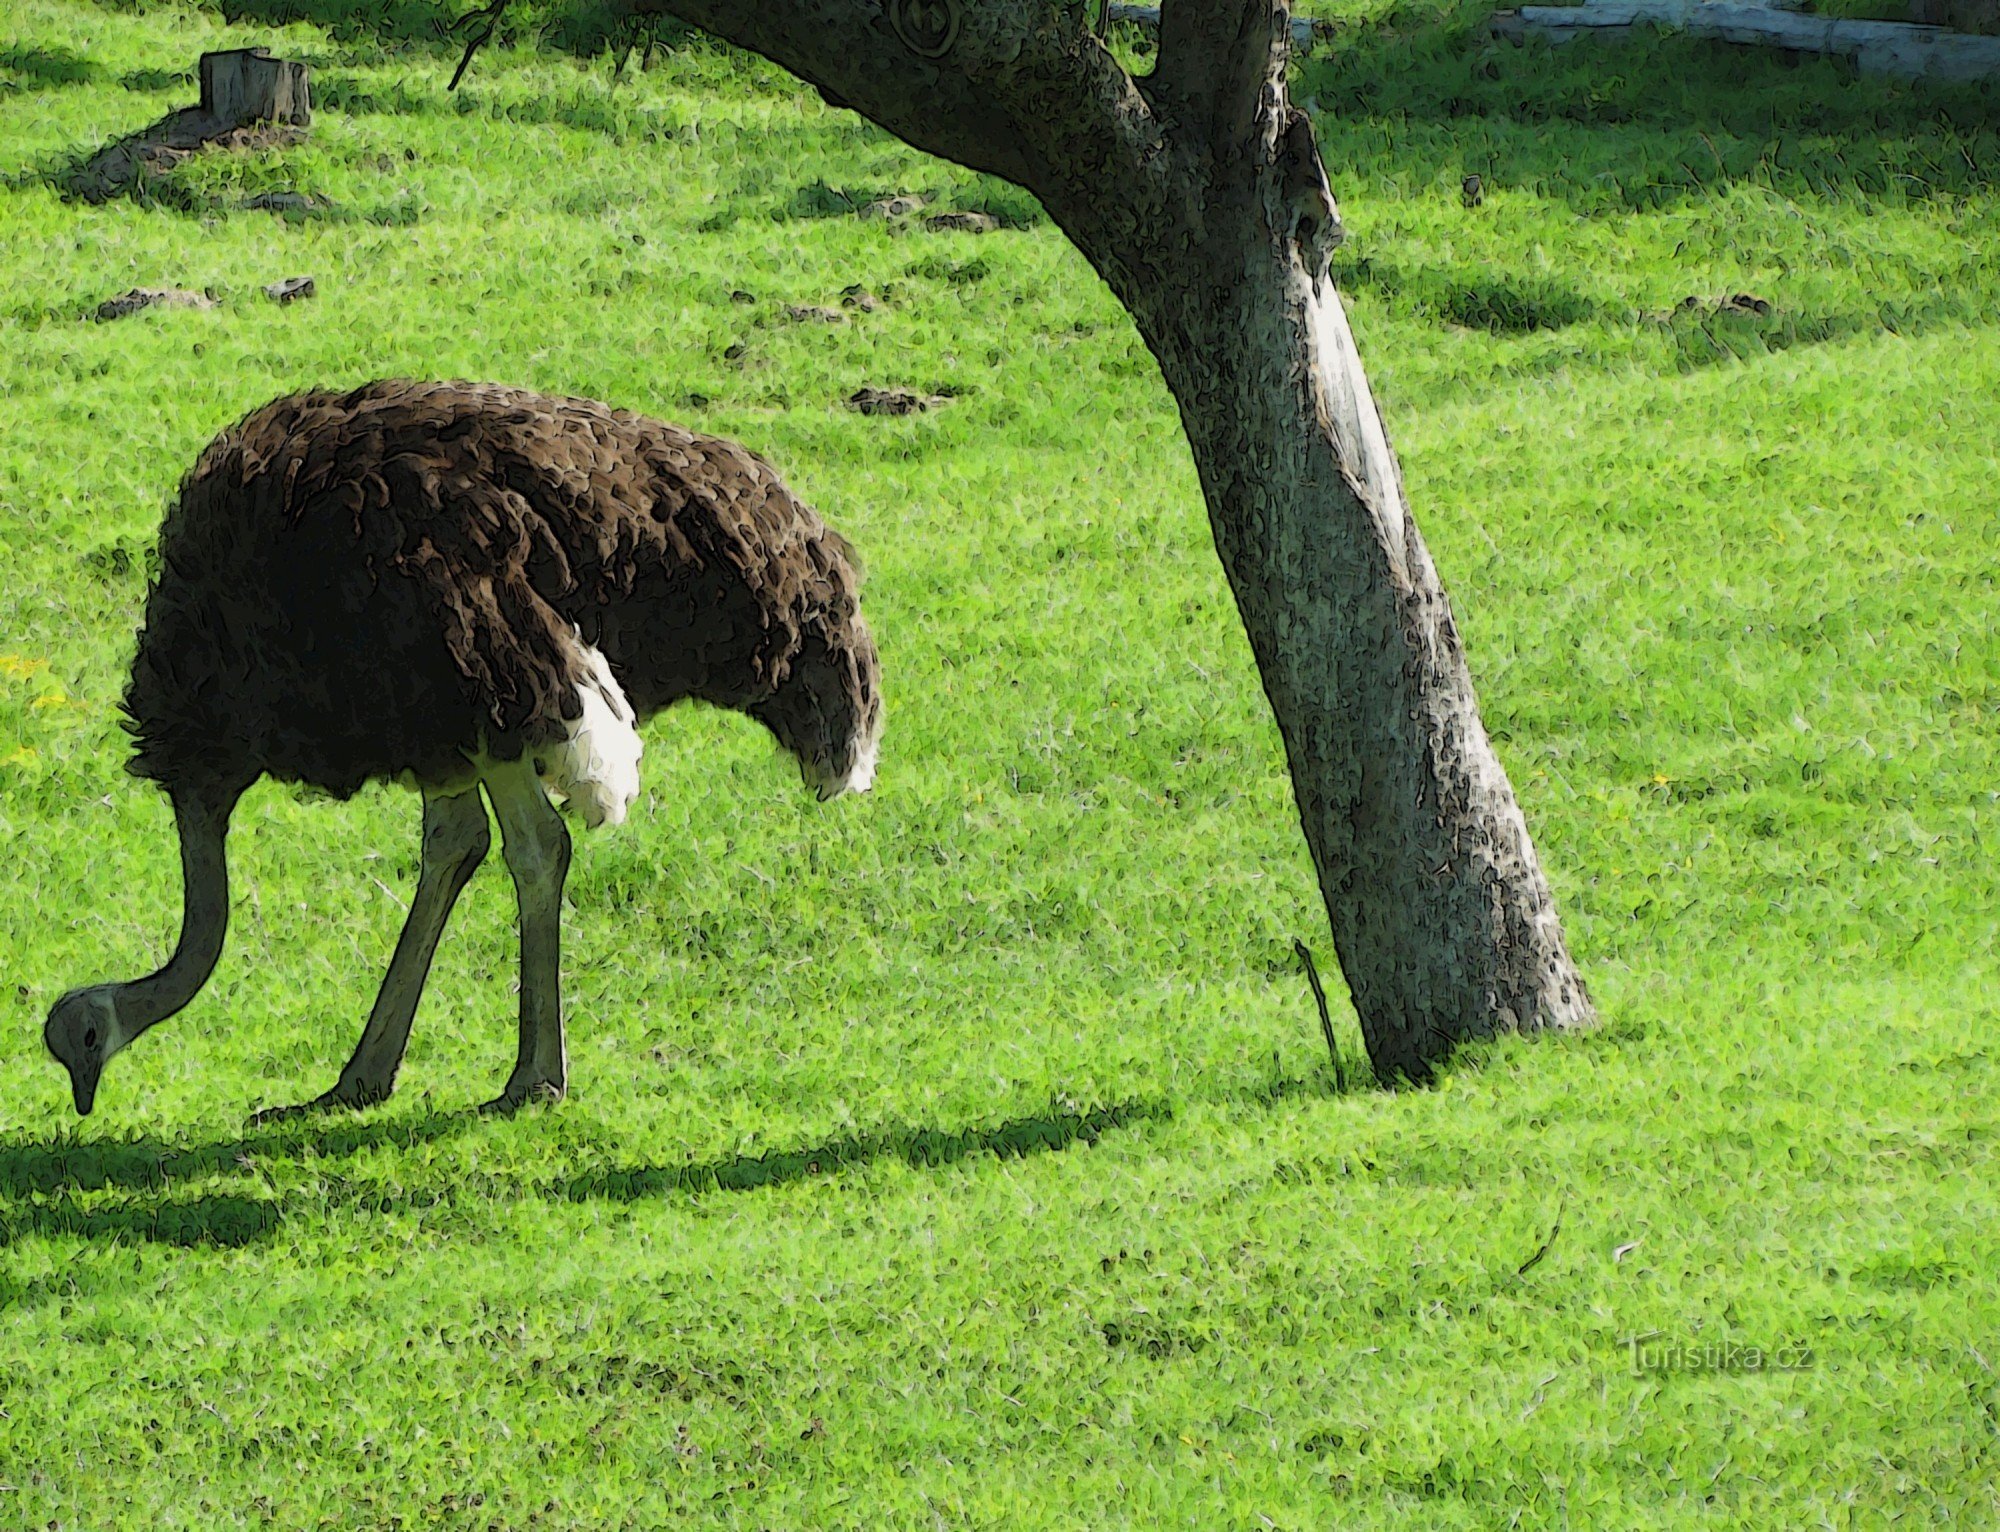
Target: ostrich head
x,y
828,710
82,1032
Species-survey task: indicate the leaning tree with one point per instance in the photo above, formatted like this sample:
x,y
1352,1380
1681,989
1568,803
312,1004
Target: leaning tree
x,y
1198,193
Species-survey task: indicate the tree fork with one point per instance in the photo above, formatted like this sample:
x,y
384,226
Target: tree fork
x,y
1197,192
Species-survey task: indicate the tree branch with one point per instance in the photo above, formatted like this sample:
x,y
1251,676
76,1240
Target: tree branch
x,y
1216,57
1018,88
492,13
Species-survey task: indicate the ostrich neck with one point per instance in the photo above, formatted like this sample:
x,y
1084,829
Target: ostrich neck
x,y
204,831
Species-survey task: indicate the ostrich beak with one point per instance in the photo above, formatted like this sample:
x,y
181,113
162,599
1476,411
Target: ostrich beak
x,y
83,1085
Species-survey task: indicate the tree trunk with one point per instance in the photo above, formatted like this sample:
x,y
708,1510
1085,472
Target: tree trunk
x,y
1440,913
1198,193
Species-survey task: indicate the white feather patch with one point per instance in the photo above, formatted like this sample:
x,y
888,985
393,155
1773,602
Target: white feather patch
x,y
597,766
862,777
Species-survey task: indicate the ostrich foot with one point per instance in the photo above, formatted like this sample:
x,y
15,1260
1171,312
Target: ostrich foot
x,y
520,1093
351,1095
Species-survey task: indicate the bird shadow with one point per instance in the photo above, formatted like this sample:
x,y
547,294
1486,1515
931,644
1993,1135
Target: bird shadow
x,y
60,1186
131,1189
146,1164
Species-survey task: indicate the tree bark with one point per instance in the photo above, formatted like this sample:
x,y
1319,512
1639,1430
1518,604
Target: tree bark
x,y
1197,192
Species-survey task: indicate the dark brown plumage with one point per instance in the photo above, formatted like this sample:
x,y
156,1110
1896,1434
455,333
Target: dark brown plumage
x,y
474,589
358,585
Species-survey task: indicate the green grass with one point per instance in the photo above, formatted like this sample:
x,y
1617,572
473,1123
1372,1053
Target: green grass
x,y
967,1155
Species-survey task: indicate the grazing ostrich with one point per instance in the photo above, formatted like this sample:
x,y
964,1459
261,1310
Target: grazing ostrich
x,y
462,586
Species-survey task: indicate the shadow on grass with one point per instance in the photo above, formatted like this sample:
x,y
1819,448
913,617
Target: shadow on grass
x,y
1425,92
122,1190
1635,124
144,1164
145,80
41,1184
584,27
620,118
1482,301
44,67
922,1147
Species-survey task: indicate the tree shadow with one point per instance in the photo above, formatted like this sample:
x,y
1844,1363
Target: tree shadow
x,y
1640,104
419,21
46,67
125,1190
622,118
142,81
927,1148
584,27
1500,305
140,165
1420,99
1641,123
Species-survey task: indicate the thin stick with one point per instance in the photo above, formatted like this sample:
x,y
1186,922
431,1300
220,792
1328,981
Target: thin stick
x,y
1325,1021
492,13
1547,1245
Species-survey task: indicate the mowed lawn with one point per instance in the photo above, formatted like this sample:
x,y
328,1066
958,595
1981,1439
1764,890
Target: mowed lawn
x,y
967,1155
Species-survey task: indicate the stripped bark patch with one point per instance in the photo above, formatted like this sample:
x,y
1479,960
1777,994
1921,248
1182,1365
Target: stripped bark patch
x,y
961,223
134,299
304,204
894,207
893,401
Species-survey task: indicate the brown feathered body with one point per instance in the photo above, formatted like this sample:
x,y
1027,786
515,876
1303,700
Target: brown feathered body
x,y
376,583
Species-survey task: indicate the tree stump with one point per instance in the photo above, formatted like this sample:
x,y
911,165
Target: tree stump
x,y
249,100
248,85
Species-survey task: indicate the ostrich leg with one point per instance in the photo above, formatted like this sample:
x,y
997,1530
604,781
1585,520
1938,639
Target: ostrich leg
x,y
536,845
455,840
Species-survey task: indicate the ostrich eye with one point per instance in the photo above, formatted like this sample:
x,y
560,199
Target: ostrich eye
x,y
90,1038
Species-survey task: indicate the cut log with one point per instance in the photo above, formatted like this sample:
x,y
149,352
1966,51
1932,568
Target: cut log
x,y
248,85
1874,47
